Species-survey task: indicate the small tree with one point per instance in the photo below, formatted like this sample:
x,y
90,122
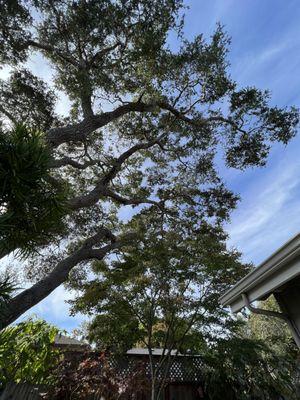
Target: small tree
x,y
26,352
162,293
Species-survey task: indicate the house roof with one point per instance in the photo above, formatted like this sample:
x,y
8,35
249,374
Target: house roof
x,y
278,269
155,352
62,340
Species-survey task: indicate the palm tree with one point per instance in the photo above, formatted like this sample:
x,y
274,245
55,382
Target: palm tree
x,y
7,288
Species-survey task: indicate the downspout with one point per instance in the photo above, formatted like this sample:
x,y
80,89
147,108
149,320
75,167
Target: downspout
x,y
284,316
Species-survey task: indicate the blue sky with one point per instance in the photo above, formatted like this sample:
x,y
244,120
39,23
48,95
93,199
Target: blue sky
x,y
265,52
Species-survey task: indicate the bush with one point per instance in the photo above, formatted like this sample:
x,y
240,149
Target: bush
x,y
93,374
244,369
26,353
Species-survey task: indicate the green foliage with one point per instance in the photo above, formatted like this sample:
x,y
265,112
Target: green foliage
x,y
245,369
116,330
28,100
32,203
117,52
251,149
26,353
174,110
259,362
272,331
7,288
15,18
163,291
140,27
167,286
276,335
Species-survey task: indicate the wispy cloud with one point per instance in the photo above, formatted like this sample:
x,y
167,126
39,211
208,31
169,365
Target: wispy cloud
x,y
269,213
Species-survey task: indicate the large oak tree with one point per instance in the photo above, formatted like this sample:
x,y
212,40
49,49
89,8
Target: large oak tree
x,y
145,126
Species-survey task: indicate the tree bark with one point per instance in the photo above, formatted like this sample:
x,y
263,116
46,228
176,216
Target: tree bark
x,y
32,296
79,132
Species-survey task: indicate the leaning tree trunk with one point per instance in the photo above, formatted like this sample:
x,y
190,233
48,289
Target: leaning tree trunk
x,y
22,302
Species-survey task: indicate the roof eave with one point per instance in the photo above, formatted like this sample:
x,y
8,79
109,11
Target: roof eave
x,y
266,277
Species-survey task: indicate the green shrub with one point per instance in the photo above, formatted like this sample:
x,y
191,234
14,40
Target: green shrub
x,y
26,352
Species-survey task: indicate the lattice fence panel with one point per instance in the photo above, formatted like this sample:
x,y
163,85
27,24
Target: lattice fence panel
x,y
181,368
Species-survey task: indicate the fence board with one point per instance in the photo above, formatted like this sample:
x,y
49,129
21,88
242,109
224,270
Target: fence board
x,y
21,391
25,391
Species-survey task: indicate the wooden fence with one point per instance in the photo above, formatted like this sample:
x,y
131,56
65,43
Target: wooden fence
x,y
21,391
182,369
25,391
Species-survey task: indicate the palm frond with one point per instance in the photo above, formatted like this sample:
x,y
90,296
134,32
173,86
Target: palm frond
x,y
32,204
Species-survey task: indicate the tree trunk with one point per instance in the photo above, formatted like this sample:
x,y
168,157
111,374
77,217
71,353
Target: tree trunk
x,y
153,390
32,296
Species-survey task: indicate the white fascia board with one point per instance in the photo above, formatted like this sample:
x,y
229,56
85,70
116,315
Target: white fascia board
x,y
281,267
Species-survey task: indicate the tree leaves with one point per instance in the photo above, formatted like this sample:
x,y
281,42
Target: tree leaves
x,y
243,369
27,100
144,137
163,282
26,353
32,205
14,31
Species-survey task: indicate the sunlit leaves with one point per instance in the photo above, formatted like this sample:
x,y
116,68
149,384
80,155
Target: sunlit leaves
x,y
26,352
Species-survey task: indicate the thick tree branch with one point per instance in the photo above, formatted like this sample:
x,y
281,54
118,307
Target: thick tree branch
x,y
79,132
131,201
51,49
32,296
102,191
101,188
62,162
86,104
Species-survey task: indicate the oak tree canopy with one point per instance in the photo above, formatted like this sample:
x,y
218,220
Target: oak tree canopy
x,y
146,124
